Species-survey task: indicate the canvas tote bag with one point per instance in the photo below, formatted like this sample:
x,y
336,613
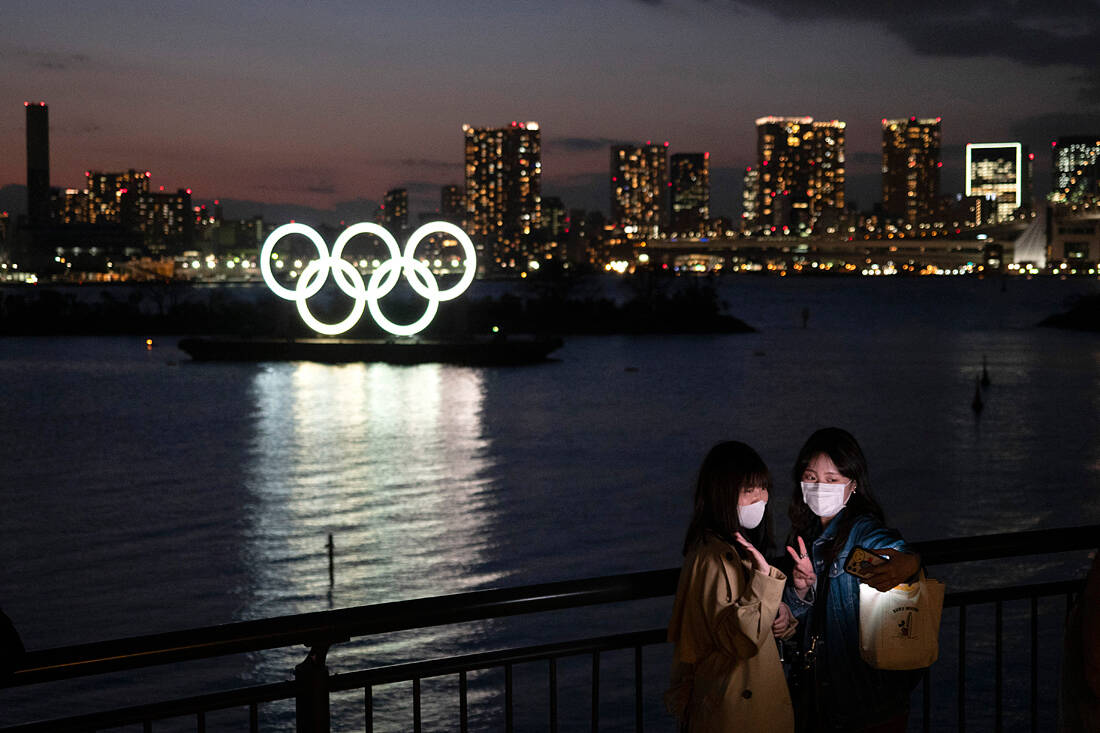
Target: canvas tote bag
x,y
900,628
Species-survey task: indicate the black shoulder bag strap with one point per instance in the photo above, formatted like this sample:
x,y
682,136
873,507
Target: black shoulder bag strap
x,y
807,706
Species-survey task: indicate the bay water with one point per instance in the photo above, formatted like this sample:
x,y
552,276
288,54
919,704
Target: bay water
x,y
145,493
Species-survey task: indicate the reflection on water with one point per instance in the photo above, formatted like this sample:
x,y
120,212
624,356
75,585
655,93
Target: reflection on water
x,y
393,462
196,494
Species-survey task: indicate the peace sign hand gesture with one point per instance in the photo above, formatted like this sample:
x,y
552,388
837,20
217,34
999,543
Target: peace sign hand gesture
x,y
802,576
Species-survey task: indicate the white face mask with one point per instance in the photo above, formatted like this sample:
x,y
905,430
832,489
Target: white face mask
x,y
751,515
824,500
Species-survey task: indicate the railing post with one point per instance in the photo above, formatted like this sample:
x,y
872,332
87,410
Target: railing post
x,y
311,704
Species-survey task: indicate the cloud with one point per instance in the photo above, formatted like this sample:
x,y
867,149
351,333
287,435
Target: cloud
x,y
864,159
1040,130
581,144
298,180
428,164
48,60
1034,34
423,187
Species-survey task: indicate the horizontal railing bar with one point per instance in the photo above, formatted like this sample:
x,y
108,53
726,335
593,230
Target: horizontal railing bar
x,y
486,660
327,627
405,672
997,546
240,697
1012,593
334,626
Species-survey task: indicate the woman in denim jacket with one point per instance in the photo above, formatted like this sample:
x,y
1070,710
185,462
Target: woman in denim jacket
x,y
832,511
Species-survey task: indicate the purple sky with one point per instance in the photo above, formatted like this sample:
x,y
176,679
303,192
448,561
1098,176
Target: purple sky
x,y
330,104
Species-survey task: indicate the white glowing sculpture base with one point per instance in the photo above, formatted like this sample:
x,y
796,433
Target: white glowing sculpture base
x,y
381,281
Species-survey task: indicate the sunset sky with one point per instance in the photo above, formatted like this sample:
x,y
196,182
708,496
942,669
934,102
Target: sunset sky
x,y
329,104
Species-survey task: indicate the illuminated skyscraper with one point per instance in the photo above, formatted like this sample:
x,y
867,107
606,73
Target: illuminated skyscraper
x,y
801,174
910,168
750,195
689,174
1076,164
166,220
553,216
503,190
395,210
639,189
1000,171
38,164
452,204
113,197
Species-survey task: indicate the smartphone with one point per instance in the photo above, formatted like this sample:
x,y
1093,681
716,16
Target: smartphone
x,y
861,561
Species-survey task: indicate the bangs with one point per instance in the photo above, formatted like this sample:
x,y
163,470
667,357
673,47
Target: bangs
x,y
758,477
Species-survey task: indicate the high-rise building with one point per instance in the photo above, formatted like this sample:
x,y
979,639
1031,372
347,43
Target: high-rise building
x,y
801,174
113,197
38,164
910,168
999,171
70,206
553,216
639,189
452,204
395,210
750,194
689,174
503,190
166,220
1076,168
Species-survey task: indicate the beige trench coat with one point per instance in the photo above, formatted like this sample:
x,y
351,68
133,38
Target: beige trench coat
x,y
726,674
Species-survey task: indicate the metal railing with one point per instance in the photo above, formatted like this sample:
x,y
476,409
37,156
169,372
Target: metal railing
x,y
313,684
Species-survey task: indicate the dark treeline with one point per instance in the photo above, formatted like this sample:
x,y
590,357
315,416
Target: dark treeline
x,y
1083,315
558,305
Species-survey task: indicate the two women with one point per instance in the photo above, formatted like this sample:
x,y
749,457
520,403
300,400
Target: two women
x,y
730,602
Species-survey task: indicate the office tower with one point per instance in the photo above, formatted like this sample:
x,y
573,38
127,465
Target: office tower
x,y
70,206
750,192
689,174
910,168
113,197
452,204
503,190
553,216
38,164
1076,169
999,171
639,189
801,174
166,220
395,210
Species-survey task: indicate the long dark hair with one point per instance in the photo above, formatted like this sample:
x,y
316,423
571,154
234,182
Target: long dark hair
x,y
728,468
843,450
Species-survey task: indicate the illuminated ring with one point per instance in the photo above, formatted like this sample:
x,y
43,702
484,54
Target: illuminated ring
x,y
467,248
319,269
387,239
269,246
410,267
382,280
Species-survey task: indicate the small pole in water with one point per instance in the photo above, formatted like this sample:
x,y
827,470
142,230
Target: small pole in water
x,y
331,566
976,404
985,373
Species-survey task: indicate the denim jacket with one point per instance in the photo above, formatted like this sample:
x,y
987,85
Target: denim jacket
x,y
851,693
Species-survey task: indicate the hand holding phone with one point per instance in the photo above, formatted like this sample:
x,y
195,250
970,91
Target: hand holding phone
x,y
861,562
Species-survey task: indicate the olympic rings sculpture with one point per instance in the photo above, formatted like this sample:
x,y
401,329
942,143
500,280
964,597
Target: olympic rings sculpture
x,y
381,282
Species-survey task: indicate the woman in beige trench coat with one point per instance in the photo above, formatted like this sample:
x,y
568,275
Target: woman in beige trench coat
x,y
726,672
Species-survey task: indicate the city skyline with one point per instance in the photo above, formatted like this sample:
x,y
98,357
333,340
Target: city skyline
x,y
225,105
